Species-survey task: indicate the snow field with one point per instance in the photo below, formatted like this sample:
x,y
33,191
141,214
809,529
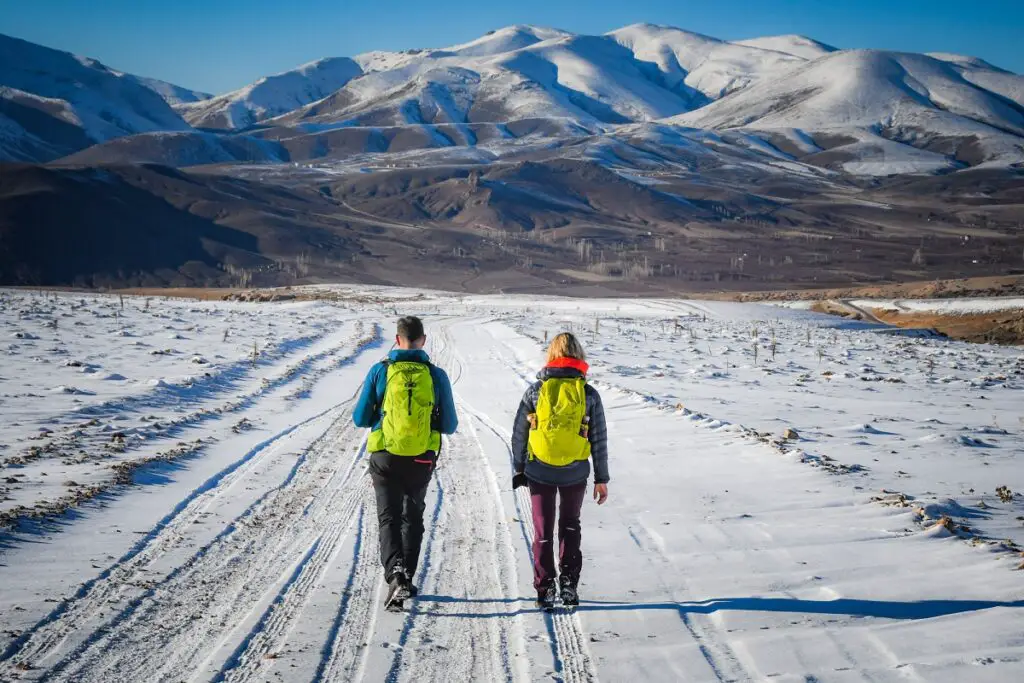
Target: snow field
x,y
939,421
725,552
670,541
86,406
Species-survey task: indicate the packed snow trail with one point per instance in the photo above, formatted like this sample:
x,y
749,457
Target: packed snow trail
x,y
716,559
468,599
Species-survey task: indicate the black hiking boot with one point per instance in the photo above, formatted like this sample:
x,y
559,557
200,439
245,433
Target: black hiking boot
x,y
399,590
546,598
570,598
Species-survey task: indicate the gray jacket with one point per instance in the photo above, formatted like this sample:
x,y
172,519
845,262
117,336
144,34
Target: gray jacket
x,y
573,473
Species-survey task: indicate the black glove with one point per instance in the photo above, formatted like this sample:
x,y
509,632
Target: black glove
x,y
519,479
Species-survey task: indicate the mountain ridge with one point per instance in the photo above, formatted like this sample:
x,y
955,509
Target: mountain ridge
x,y
786,89
647,159
41,83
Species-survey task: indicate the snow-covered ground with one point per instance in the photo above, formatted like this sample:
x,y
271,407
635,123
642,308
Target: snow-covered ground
x,y
219,526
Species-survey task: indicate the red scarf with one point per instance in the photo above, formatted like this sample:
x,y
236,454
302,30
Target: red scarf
x,y
566,362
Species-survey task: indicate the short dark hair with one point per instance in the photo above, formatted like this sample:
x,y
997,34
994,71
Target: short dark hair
x,y
410,327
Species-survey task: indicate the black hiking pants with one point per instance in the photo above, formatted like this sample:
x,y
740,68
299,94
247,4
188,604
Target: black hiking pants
x,y
400,484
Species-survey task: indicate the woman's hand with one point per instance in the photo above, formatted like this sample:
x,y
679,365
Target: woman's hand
x,y
600,493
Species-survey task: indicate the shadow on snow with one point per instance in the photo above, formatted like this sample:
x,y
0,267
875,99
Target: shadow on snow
x,y
921,609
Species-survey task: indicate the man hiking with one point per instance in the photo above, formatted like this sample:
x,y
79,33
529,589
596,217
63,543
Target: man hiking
x,y
407,402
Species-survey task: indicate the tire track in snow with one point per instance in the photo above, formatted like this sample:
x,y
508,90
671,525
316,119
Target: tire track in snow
x,y
572,659
507,575
130,579
310,368
270,634
263,628
43,639
345,651
145,617
466,623
202,619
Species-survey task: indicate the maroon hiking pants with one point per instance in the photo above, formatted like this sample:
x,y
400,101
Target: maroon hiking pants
x,y
569,501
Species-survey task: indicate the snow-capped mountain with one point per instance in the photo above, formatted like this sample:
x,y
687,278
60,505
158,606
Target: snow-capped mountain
x,y
709,66
861,111
53,103
172,94
639,73
911,112
34,128
508,39
984,75
271,96
880,103
798,46
866,88
584,78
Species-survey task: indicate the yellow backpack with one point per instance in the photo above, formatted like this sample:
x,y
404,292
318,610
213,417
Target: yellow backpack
x,y
558,430
407,410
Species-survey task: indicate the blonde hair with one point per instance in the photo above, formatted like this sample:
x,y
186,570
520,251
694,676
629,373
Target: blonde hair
x,y
566,345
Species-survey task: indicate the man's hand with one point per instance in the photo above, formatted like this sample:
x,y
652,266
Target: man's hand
x,y
600,493
519,479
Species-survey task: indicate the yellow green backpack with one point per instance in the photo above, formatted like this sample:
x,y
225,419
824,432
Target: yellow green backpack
x,y
558,433
406,411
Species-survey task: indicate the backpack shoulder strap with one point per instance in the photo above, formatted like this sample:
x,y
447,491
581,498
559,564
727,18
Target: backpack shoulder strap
x,y
385,363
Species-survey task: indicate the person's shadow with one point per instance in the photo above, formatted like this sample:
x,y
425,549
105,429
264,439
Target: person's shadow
x,y
919,609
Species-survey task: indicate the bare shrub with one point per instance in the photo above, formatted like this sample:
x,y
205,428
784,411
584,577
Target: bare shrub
x,y
242,276
1005,494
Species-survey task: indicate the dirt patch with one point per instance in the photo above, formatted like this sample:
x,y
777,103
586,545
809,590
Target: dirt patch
x,y
998,327
832,308
1001,327
200,293
1009,285
995,327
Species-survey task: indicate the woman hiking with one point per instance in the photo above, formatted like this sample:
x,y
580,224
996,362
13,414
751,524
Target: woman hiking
x,y
559,429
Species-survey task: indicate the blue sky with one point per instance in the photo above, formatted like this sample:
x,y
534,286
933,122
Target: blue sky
x,y
220,45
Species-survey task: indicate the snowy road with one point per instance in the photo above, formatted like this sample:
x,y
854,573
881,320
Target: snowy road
x,y
718,558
